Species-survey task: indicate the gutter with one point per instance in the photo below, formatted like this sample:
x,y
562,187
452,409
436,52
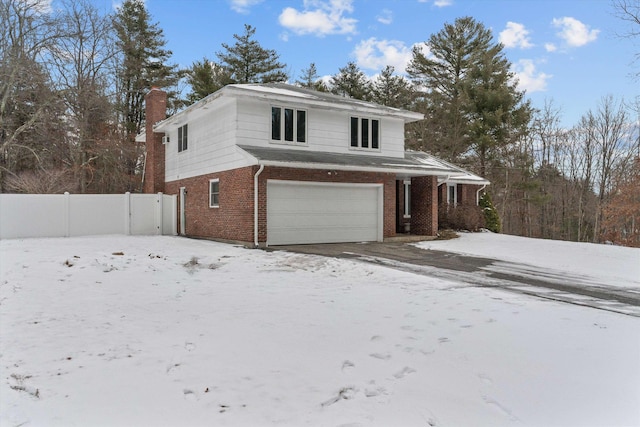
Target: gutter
x,y
255,205
478,194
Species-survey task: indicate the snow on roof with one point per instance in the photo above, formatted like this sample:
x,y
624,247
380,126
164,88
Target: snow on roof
x,y
458,175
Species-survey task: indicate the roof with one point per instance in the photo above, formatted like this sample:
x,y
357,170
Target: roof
x,y
459,174
413,163
305,95
281,92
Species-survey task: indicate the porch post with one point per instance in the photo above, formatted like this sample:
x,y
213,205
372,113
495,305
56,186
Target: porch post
x,y
424,205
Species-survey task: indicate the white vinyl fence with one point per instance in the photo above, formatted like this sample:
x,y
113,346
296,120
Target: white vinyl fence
x,y
68,215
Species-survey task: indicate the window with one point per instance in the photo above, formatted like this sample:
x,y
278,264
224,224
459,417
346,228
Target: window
x,y
288,125
214,193
182,138
452,194
407,198
365,133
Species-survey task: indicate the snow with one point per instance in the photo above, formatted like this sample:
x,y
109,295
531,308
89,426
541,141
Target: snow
x,y
168,331
608,265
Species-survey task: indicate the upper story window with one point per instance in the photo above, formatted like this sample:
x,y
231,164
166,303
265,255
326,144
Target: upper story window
x,y
182,138
365,133
288,125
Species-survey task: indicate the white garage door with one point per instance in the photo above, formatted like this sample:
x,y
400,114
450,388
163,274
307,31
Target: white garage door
x,y
303,212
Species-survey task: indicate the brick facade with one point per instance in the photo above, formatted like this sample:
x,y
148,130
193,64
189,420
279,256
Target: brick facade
x,y
424,206
155,110
233,219
466,194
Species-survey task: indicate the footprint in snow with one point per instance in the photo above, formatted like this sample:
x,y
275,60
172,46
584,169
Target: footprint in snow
x,y
403,372
381,356
347,364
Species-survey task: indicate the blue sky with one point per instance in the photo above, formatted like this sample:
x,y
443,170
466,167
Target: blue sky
x,y
563,50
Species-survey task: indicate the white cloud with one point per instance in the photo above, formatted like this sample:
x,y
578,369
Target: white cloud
x,y
550,47
515,35
438,3
376,54
385,17
529,78
320,17
574,32
243,6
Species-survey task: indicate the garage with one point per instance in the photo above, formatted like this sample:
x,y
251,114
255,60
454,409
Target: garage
x,y
312,212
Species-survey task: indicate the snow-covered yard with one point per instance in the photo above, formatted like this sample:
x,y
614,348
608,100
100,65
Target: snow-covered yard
x,y
167,331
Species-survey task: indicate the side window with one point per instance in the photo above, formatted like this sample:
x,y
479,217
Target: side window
x,y
452,194
288,125
182,138
214,193
364,133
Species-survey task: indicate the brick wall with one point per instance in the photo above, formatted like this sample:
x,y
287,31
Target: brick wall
x,y
155,111
322,175
233,220
424,206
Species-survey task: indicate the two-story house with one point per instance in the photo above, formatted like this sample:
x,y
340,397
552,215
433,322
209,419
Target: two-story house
x,y
274,164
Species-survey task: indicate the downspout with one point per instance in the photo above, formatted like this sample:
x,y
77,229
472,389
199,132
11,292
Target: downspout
x,y
478,194
255,205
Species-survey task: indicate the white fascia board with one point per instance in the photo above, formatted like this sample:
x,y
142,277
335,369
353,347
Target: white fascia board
x,y
180,118
462,179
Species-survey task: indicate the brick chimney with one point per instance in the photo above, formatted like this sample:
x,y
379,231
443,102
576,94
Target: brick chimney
x,y
155,110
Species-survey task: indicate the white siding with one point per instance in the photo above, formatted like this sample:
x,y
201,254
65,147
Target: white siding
x,y
216,129
327,130
211,143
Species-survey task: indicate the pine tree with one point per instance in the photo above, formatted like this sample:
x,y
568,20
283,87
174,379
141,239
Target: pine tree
x,y
491,218
143,62
351,82
206,77
311,80
248,62
454,51
496,110
390,90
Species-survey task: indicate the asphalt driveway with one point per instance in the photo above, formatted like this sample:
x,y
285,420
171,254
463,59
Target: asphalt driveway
x,y
485,272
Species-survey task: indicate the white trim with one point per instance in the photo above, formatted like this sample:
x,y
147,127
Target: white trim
x,y
407,198
282,140
255,205
370,121
183,215
211,205
455,193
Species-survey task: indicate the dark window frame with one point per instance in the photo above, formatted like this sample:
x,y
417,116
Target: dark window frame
x,y
364,133
183,138
288,125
